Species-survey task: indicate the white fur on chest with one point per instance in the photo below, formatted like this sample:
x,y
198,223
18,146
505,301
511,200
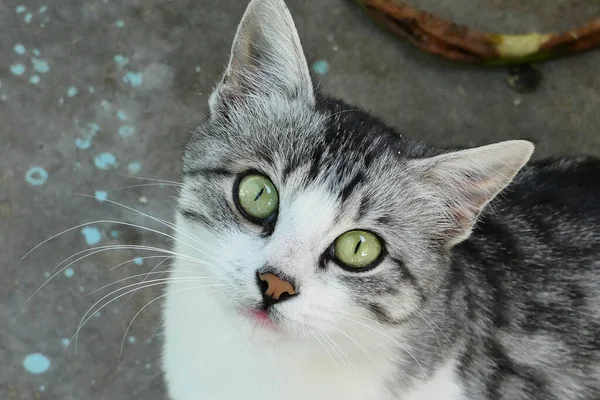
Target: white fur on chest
x,y
212,354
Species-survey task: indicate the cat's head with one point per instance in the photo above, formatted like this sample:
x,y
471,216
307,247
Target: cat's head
x,y
313,210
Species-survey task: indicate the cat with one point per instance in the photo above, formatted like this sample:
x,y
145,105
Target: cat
x,y
325,256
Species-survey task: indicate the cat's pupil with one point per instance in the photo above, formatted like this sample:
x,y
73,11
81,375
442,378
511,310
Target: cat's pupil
x,y
357,246
259,194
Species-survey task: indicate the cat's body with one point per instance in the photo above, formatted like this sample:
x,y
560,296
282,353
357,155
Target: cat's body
x,y
530,278
474,294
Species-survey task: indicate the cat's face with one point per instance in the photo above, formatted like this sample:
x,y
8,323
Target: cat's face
x,y
316,204
327,175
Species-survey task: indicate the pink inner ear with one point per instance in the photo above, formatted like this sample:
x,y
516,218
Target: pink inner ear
x,y
464,218
466,194
467,180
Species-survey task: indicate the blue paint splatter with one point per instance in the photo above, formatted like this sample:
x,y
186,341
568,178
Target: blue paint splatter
x,y
43,9
36,52
17,69
134,167
91,90
19,49
65,342
93,127
69,272
91,234
135,79
27,18
138,261
126,130
72,92
83,143
42,388
114,234
131,339
21,9
320,67
105,105
105,161
121,60
40,66
34,79
47,274
36,363
36,176
120,23
122,115
87,134
148,366
101,195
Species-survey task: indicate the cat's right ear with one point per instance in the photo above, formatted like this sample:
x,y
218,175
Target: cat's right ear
x,y
465,181
266,58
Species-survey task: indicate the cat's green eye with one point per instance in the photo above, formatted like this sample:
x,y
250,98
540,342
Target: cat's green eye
x,y
257,197
357,249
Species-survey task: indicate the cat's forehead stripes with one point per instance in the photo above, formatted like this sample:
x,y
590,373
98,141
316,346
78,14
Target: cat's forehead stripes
x,y
347,189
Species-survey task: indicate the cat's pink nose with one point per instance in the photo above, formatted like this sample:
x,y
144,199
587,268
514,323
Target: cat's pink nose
x,y
274,288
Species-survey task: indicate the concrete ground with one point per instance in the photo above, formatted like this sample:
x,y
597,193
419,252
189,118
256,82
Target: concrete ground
x,y
96,90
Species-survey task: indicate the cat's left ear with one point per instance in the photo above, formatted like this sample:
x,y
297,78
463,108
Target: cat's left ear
x,y
465,181
266,57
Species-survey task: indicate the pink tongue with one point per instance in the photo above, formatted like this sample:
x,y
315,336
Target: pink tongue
x,y
261,315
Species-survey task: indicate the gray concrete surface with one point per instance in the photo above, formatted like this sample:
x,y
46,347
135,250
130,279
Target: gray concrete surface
x,y
85,103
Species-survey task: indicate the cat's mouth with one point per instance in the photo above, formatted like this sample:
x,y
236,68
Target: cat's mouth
x,y
262,318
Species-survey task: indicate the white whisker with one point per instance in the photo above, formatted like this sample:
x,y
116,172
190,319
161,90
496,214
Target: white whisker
x,y
382,334
148,284
160,297
99,249
149,179
347,359
327,339
140,258
159,220
353,341
103,221
437,339
115,247
139,275
436,325
148,275
162,185
157,326
326,350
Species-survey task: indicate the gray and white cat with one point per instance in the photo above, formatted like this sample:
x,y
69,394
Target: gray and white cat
x,y
328,257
